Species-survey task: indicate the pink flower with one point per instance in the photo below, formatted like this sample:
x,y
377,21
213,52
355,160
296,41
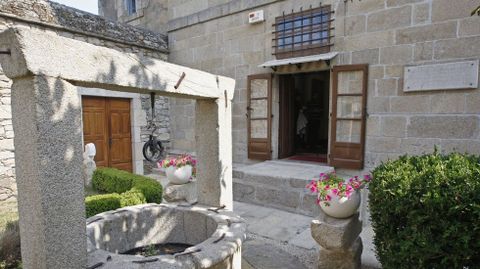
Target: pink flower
x,y
348,194
335,191
328,198
312,186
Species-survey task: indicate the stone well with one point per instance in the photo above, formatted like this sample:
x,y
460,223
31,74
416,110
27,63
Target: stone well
x,y
47,71
216,237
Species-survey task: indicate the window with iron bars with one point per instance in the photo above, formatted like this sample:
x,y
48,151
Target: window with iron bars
x,y
303,33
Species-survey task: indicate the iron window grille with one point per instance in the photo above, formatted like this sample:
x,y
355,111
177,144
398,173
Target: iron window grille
x,y
303,33
131,6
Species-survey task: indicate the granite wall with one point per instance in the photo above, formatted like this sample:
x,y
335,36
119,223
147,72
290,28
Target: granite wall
x,y
79,25
389,35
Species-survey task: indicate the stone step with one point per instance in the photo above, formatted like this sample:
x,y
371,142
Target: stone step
x,y
278,184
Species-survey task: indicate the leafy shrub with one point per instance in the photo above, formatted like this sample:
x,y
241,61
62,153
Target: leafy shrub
x,y
425,211
132,197
111,180
149,187
10,256
96,204
123,189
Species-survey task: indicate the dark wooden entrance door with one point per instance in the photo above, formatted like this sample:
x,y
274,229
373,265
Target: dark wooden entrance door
x,y
259,114
107,124
349,100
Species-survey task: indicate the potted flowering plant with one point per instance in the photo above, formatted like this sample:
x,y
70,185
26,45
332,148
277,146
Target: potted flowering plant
x,y
179,170
337,197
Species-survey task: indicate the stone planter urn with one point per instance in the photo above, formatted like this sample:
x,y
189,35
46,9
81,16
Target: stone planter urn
x,y
179,176
341,207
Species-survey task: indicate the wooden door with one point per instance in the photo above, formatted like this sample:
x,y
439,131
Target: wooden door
x,y
259,116
107,124
286,139
120,154
349,99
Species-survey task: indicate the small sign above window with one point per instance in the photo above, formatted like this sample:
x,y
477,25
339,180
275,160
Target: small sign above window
x,y
256,17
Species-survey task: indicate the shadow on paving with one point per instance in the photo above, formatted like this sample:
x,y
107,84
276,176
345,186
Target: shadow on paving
x,y
259,255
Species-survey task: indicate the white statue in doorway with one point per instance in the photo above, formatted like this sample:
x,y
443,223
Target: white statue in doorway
x,y
89,165
302,122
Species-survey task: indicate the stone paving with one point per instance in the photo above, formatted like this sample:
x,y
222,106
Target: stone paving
x,y
279,239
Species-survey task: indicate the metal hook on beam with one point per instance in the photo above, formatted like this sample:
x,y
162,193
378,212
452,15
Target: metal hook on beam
x,y
180,80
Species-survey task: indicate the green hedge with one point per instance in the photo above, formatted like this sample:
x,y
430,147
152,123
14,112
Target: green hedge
x,y
123,189
96,204
425,211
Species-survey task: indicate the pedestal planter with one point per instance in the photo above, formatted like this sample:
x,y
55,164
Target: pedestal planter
x,y
340,244
341,207
181,193
180,175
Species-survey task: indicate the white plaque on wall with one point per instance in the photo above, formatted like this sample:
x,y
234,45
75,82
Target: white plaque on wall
x,y
444,76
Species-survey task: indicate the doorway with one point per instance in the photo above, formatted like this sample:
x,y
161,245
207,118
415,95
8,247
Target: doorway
x,y
107,124
304,116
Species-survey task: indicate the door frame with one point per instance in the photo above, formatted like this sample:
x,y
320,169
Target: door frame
x,y
138,118
279,133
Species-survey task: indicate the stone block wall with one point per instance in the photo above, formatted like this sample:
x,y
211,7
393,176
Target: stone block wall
x,y
8,187
396,34
387,34
84,27
226,45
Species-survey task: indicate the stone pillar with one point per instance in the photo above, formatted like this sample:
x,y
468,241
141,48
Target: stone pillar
x,y
48,156
213,125
340,244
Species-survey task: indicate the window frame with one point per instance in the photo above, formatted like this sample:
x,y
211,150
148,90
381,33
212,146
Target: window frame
x,y
304,48
131,7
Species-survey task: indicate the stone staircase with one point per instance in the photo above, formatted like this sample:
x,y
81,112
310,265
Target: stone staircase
x,y
279,184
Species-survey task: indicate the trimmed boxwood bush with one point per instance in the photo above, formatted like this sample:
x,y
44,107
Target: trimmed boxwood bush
x,y
96,204
122,189
425,211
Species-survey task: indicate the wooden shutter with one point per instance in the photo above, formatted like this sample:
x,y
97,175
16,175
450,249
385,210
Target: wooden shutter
x,y
349,99
286,132
259,116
